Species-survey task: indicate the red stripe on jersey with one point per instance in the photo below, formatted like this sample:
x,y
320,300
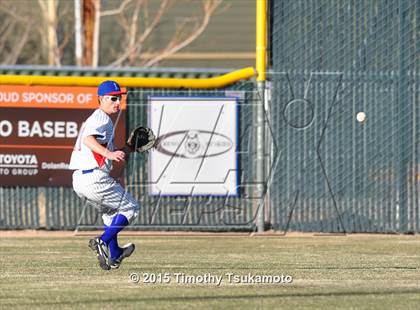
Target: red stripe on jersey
x,y
99,159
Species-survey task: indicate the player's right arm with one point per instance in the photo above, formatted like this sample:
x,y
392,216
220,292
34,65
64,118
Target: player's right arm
x,y
92,144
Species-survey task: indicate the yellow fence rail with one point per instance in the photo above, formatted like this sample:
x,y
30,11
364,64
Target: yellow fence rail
x,y
213,82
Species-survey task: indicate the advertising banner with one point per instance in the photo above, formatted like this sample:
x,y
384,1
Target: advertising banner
x,y
38,128
197,142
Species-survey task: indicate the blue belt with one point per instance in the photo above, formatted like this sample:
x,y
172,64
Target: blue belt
x,y
87,171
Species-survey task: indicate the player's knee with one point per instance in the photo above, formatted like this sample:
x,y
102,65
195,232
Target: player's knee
x,y
131,213
107,219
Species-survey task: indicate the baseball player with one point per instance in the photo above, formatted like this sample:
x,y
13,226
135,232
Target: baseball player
x,y
92,159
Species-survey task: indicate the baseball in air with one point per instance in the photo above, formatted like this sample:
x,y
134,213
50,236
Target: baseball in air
x,y
361,117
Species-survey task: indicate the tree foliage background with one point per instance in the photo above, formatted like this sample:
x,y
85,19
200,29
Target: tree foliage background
x,y
130,32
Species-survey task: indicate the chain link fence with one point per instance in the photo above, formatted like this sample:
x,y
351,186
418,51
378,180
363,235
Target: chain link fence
x,y
331,61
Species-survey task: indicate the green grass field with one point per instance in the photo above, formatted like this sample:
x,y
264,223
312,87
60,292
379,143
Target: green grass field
x,y
353,272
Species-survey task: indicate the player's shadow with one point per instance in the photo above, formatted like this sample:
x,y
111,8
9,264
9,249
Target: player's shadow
x,y
196,297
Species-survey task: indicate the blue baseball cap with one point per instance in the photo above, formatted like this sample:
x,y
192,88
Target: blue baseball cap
x,y
109,88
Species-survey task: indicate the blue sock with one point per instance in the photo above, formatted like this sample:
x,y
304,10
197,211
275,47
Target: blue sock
x,y
111,232
114,248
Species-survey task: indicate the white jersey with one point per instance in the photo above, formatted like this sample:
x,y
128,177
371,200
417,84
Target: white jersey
x,y
98,124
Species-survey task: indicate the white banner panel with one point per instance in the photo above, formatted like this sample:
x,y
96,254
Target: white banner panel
x,y
196,150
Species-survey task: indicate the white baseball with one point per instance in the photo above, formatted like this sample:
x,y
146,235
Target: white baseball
x,y
361,117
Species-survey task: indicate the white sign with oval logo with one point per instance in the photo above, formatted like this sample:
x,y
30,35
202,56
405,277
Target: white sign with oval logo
x,y
196,146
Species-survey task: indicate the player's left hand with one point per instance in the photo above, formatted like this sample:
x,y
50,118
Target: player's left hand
x,y
141,139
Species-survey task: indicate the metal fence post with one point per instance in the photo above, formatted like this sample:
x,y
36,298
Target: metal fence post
x,y
403,109
260,141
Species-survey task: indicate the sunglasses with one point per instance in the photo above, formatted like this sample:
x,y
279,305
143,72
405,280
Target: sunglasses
x,y
114,98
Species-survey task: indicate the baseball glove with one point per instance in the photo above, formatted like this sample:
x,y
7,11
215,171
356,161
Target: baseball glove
x,y
141,139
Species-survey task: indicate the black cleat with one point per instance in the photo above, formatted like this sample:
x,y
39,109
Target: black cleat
x,y
102,252
92,244
127,250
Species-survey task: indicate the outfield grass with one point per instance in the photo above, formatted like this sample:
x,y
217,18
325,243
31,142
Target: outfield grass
x,y
353,272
